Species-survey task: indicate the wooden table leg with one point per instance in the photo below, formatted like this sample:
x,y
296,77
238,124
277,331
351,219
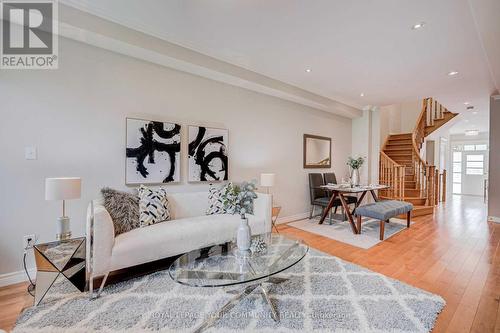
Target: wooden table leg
x,y
360,199
330,205
374,195
349,214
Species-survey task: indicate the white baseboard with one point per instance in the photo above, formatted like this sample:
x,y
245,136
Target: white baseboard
x,y
16,277
291,218
495,219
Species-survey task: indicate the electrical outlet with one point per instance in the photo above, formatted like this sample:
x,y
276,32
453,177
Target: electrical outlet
x,y
29,241
30,153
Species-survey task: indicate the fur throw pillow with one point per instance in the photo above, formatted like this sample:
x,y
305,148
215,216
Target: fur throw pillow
x,y
123,208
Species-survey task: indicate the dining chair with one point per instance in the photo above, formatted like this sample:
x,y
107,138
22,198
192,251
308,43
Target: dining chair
x,y
319,196
330,178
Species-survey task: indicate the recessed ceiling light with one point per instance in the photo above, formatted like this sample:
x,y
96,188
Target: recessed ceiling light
x,y
474,112
418,25
471,132
452,73
362,94
308,70
466,103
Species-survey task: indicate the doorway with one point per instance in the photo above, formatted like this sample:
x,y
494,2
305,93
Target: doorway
x,y
470,163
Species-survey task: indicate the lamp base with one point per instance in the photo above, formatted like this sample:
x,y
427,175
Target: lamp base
x,y
63,228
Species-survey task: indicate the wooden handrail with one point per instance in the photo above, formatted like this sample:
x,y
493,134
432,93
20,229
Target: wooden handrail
x,y
393,175
429,183
427,176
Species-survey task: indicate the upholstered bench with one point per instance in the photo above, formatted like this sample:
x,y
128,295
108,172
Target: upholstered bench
x,y
383,211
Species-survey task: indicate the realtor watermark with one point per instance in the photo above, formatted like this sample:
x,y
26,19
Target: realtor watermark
x,y
29,34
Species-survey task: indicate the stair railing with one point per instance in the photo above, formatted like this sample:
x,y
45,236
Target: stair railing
x,y
420,167
427,177
393,175
442,187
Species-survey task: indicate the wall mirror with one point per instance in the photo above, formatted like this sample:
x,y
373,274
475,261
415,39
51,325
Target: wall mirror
x,y
317,151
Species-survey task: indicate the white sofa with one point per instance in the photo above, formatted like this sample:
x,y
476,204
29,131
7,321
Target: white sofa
x,y
189,229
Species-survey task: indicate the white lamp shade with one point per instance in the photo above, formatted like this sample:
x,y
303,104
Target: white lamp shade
x,y
267,179
63,188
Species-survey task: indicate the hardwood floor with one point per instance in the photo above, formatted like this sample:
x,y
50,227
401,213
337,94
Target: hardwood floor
x,y
454,253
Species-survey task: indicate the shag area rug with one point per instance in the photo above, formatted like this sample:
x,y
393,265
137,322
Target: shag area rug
x,y
323,294
341,230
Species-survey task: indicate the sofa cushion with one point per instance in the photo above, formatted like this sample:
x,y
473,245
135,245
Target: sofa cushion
x,y
384,210
153,206
187,204
176,237
123,208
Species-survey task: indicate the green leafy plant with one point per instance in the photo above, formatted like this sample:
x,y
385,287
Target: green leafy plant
x,y
238,198
355,163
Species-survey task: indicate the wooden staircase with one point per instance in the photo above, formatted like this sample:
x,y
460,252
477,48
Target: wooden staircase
x,y
402,168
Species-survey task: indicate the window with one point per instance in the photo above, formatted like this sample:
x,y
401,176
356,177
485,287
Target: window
x,y
457,172
475,165
481,147
475,158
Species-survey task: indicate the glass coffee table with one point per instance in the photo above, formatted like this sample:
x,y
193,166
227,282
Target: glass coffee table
x,y
224,265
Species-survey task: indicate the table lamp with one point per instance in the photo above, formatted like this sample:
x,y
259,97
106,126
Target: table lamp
x,y
63,189
267,180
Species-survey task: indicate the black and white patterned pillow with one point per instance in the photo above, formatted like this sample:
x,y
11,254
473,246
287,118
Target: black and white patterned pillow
x,y
216,200
153,206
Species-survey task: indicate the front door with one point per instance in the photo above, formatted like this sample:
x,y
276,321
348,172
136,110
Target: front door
x,y
470,169
475,172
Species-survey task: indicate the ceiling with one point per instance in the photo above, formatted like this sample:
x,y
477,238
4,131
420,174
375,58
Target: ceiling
x,y
351,47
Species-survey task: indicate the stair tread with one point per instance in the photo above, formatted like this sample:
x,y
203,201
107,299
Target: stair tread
x,y
398,148
398,153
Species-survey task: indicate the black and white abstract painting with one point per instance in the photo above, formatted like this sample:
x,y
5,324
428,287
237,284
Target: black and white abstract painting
x,y
153,152
207,154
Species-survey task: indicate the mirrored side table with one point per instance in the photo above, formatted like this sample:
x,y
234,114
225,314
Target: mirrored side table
x,y
66,257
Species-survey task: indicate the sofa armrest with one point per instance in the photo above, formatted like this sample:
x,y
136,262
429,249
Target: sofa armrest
x,y
100,240
262,209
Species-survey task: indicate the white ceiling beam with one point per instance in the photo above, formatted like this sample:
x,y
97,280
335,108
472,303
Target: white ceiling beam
x,y
87,28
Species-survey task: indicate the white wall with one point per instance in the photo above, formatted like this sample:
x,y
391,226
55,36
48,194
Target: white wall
x,y
399,118
361,143
410,111
366,135
75,116
494,170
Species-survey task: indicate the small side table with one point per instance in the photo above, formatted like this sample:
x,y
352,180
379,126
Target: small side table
x,y
66,257
274,217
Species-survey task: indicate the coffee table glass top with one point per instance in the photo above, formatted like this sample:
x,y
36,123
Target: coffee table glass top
x,y
223,265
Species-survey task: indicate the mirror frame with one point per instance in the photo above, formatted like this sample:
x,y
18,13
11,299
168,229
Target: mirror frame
x,y
312,166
